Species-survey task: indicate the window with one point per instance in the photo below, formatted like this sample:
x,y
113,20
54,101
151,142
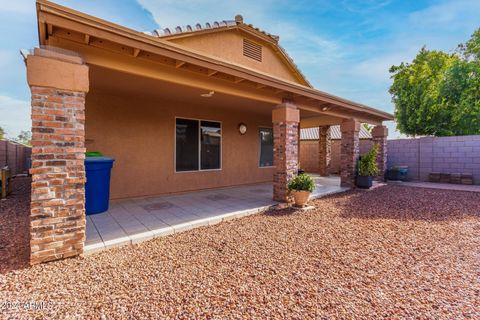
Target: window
x,y
198,145
252,50
266,147
210,146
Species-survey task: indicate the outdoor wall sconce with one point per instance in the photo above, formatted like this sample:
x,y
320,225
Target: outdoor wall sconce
x,y
242,128
208,95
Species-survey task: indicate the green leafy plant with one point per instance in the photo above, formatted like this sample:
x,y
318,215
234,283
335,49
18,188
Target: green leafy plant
x,y
302,182
367,165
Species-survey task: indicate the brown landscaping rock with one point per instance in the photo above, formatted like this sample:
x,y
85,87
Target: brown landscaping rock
x,y
395,252
14,226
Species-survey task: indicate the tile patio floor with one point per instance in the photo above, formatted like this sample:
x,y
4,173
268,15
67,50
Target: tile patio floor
x,y
136,220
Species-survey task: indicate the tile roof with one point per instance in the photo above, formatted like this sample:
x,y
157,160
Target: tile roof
x,y
214,25
335,133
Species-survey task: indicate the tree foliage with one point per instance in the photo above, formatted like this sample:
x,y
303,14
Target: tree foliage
x,y
25,137
2,133
439,93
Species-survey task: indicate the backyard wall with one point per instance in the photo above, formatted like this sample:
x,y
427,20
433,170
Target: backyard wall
x,y
443,154
14,156
309,154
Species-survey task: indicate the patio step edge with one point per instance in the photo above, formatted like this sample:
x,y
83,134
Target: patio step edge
x,y
165,231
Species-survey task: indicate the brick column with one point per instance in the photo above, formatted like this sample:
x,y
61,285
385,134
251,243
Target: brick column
x,y
349,152
324,150
285,120
58,84
379,136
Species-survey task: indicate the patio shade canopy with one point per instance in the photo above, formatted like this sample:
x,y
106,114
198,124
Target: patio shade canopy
x,y
97,41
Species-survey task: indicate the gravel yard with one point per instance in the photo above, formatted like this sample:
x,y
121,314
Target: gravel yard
x,y
393,252
14,224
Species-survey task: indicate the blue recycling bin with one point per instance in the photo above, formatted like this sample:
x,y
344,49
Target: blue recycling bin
x,y
97,187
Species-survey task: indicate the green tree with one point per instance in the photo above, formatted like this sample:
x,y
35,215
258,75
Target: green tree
x,y
2,133
471,49
25,137
438,93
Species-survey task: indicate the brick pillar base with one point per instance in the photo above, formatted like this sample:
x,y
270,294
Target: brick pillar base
x,y
285,148
349,152
57,219
379,136
324,150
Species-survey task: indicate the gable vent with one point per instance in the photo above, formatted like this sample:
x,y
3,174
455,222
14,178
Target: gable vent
x,y
252,50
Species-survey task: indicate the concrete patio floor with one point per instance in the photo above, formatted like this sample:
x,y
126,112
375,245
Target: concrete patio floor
x,y
136,220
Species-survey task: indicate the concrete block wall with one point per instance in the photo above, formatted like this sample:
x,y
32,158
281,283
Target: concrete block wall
x,y
459,154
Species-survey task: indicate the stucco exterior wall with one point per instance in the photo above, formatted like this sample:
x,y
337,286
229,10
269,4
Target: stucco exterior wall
x,y
139,135
309,154
228,45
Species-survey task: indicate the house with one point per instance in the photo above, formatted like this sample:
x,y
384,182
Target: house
x,y
309,147
182,109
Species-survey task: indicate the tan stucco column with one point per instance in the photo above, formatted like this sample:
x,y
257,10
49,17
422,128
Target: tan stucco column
x,y
285,118
58,84
349,152
324,150
379,136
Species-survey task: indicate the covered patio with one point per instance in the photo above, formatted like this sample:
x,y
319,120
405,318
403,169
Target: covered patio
x,y
135,220
176,118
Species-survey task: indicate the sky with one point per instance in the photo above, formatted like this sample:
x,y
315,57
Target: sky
x,y
344,47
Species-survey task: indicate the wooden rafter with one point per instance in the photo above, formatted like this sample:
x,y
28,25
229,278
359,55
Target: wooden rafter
x,y
136,51
179,64
212,72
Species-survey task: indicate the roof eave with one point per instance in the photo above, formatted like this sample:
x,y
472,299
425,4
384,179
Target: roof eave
x,y
45,7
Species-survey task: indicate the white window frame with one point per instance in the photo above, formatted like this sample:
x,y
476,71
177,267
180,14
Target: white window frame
x,y
260,148
199,145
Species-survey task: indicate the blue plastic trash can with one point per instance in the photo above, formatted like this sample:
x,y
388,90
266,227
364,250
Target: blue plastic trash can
x,y
97,187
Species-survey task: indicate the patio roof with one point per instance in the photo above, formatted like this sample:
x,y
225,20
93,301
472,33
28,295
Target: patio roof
x,y
88,32
335,133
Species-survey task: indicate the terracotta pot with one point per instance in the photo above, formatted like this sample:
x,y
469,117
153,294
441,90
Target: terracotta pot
x,y
301,198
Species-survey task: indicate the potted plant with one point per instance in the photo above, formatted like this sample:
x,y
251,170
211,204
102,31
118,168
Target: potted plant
x,y
367,168
301,186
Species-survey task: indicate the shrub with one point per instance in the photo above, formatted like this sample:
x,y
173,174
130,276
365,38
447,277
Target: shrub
x,y
367,165
302,182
